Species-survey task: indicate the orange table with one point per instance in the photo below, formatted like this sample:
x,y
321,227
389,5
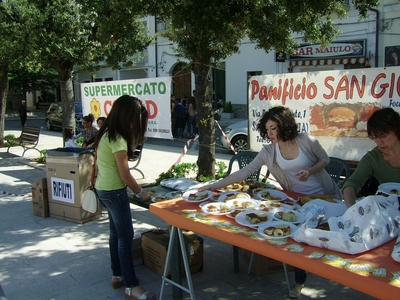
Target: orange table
x,y
173,212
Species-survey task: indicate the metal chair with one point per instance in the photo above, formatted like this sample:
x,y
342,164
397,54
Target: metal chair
x,y
137,157
338,168
243,159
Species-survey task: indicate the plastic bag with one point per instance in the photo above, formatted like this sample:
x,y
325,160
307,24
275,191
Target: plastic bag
x,y
364,226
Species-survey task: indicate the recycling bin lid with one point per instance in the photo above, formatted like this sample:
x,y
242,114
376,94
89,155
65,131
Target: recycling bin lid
x,y
69,151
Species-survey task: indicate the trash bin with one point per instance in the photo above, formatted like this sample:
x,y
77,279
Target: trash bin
x,y
68,172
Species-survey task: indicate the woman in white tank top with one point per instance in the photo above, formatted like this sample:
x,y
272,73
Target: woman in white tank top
x,y
296,160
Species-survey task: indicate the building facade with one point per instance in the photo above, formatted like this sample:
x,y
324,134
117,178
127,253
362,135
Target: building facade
x,y
371,42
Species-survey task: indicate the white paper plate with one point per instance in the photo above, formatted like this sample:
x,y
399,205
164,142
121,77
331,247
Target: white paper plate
x,y
276,224
233,212
174,194
242,204
225,196
159,198
300,217
274,193
205,195
241,218
388,186
207,202
205,208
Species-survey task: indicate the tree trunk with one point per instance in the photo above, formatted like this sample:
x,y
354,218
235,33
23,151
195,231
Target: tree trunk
x,y
67,99
206,126
3,99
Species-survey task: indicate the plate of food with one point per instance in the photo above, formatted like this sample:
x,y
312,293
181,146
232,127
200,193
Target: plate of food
x,y
259,185
238,187
303,200
216,208
269,194
276,230
211,200
225,196
196,196
234,213
277,204
389,188
252,218
159,198
174,194
242,204
288,216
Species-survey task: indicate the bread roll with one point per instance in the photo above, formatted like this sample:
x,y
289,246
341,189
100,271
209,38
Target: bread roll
x,y
341,117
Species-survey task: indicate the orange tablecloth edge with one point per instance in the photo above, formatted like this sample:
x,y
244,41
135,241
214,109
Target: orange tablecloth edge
x,y
171,211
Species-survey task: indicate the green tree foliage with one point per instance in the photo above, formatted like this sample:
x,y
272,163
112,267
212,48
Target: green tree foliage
x,y
68,34
16,27
207,31
84,33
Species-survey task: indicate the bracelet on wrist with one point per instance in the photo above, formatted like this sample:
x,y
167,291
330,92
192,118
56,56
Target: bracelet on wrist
x,y
141,191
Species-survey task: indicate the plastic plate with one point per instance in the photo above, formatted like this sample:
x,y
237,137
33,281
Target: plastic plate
x,y
300,218
269,194
273,225
214,208
225,196
241,218
195,196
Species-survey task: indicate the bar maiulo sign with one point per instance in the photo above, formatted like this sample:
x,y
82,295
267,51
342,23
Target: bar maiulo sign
x,y
335,49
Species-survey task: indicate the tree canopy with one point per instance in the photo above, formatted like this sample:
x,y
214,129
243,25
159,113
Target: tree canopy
x,y
68,34
206,32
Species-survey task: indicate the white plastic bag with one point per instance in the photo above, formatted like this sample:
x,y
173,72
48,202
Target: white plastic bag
x,y
366,225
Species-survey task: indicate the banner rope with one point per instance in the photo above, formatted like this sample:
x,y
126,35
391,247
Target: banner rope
x,y
192,140
13,194
184,151
226,138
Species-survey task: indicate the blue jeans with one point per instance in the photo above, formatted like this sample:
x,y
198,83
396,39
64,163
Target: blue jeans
x,y
300,276
121,234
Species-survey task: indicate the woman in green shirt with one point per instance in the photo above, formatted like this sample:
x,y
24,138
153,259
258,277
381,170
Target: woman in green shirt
x,y
383,161
124,127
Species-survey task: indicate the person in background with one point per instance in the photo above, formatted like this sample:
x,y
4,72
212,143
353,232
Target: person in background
x,y
100,121
296,160
89,131
69,141
220,102
383,161
23,112
174,128
180,117
191,122
125,126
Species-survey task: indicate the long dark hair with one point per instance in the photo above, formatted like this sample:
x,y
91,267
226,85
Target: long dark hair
x,y
128,119
382,122
283,116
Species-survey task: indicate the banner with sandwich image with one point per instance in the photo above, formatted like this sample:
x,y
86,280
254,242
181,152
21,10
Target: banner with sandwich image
x,y
333,106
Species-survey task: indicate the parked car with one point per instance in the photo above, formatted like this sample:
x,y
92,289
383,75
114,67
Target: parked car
x,y
54,116
237,133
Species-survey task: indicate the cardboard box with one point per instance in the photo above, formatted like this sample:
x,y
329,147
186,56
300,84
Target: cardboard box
x,y
262,264
137,251
40,201
68,176
71,214
155,247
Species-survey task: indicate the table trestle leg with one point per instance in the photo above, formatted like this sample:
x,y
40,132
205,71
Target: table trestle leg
x,y
165,279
